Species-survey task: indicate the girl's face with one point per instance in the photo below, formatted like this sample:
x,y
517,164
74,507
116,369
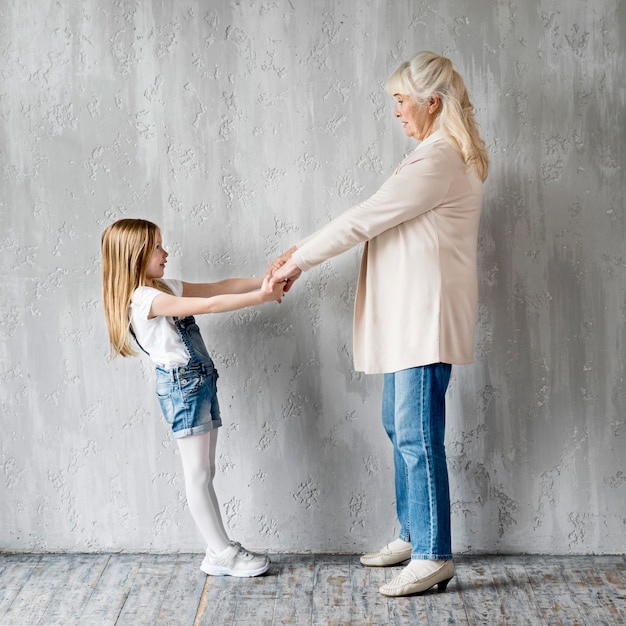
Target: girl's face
x,y
156,264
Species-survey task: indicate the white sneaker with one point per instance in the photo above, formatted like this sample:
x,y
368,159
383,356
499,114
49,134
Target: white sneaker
x,y
235,561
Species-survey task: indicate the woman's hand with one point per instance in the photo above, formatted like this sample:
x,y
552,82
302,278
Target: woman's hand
x,y
271,292
287,273
284,269
280,260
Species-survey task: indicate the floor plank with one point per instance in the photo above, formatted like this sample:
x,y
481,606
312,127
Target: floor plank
x,y
38,591
517,600
148,590
479,593
112,590
183,594
610,585
366,607
15,570
554,605
73,594
305,590
294,589
332,593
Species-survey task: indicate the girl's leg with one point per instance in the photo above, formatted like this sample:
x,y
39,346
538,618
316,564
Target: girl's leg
x,y
198,457
212,449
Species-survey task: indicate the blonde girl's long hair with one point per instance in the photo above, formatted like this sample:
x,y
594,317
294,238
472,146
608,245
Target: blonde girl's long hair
x,y
127,246
428,74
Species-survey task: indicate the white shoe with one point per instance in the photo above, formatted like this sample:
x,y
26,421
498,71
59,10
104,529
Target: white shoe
x,y
386,556
235,561
407,583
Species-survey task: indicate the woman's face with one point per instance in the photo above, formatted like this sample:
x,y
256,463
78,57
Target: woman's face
x,y
418,120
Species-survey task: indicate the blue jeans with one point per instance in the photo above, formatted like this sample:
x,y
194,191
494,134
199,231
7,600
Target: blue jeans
x,y
414,416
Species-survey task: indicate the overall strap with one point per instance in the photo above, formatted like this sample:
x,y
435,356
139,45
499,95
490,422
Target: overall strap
x,y
192,340
132,332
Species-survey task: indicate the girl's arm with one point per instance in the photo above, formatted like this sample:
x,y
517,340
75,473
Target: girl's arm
x,y
228,286
167,305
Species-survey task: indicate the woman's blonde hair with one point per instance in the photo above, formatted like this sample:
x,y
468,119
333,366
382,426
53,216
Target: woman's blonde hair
x,y
127,246
428,74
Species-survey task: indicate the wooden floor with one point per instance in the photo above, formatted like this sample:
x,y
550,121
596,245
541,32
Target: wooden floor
x,y
170,590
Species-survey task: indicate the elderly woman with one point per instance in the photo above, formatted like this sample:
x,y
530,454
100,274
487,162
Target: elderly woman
x,y
416,301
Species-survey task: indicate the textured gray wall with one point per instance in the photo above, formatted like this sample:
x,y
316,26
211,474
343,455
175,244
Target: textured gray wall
x,y
240,127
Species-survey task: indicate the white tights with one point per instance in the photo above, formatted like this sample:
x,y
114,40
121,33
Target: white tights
x,y
198,456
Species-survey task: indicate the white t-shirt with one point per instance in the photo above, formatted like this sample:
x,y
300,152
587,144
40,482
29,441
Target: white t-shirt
x,y
158,336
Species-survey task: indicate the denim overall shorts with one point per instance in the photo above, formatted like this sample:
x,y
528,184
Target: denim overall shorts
x,y
188,393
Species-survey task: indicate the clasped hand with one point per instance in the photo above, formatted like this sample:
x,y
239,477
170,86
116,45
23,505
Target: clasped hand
x,y
283,269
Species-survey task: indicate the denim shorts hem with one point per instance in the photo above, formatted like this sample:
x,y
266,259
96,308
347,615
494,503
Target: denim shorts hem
x,y
197,430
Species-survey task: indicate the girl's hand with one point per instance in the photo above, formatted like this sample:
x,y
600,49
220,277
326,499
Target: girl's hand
x,y
273,292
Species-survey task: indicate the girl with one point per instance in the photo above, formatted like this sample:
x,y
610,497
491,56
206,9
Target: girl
x,y
155,313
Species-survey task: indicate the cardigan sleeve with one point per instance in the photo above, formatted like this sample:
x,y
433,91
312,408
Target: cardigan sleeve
x,y
419,185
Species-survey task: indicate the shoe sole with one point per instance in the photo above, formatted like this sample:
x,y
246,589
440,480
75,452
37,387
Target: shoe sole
x,y
237,573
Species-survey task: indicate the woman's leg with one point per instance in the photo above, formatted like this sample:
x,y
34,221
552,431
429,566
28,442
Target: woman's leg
x,y
198,457
401,475
419,431
399,549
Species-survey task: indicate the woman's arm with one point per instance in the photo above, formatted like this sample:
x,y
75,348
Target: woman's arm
x,y
227,286
166,305
415,188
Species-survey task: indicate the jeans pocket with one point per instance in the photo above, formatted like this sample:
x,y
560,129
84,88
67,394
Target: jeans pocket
x,y
166,402
191,384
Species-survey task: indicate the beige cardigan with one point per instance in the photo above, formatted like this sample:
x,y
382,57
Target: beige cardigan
x,y
417,291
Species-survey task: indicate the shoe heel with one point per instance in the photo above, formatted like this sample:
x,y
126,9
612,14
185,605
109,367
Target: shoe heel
x,y
441,586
